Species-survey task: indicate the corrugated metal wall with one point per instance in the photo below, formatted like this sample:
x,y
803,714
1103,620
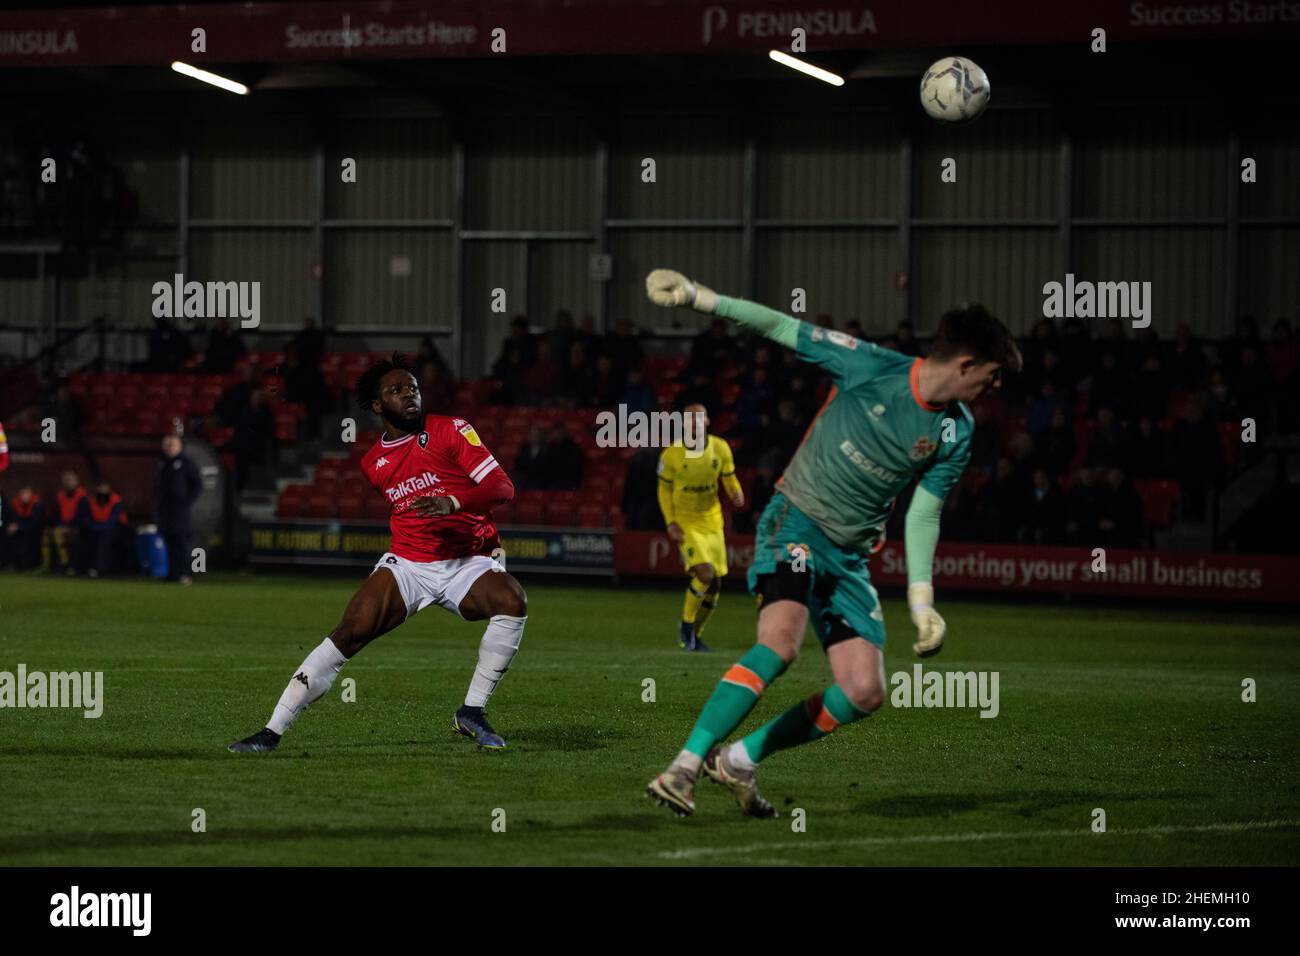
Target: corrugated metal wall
x,y
530,172
255,169
281,261
1270,274
699,171
841,166
540,173
389,278
712,255
1145,164
848,273
1187,269
1004,269
492,264
404,170
1007,167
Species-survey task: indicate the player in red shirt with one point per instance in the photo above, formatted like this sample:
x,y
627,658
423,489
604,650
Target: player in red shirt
x,y
442,484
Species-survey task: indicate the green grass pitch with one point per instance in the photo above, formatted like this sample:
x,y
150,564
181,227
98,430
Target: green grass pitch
x,y
1138,712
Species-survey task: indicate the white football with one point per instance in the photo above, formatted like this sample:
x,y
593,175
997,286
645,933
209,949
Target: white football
x,y
954,90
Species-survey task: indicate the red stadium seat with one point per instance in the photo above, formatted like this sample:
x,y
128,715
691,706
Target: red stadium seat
x,y
528,512
351,507
377,508
563,514
593,515
1159,501
320,506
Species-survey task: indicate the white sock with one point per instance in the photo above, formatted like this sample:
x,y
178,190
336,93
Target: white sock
x,y
688,761
739,757
309,683
495,652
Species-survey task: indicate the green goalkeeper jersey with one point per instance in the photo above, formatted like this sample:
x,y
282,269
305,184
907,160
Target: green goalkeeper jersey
x,y
871,439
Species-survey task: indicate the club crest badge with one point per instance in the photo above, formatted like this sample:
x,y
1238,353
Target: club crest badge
x,y
423,439
923,448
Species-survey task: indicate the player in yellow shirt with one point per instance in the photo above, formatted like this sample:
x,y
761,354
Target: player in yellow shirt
x,y
688,498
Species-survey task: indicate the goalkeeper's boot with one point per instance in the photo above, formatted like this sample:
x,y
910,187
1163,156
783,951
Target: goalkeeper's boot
x,y
471,722
264,741
674,789
743,785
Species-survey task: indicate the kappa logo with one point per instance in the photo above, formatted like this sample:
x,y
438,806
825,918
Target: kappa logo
x,y
300,676
923,448
381,462
877,410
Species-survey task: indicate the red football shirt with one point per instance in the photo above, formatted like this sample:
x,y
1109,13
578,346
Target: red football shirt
x,y
446,458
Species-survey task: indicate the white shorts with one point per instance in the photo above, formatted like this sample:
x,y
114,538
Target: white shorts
x,y
422,583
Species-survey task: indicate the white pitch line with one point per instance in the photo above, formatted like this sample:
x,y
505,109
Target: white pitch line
x,y
692,853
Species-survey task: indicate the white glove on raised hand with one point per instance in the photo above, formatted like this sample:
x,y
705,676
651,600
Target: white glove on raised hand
x,y
930,627
668,288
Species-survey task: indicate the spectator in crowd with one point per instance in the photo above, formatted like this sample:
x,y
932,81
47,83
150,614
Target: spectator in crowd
x,y
1195,447
550,460
1108,443
24,524
640,504
176,486
238,397
224,348
1001,504
786,431
1151,389
700,391
108,531
1186,360
1148,455
521,342
1280,354
564,459
69,526
639,395
1045,512
1119,512
168,346
854,328
607,384
1048,403
562,336
1055,447
529,472
253,442
906,339
960,517
304,382
579,383
546,376
437,388
428,351
512,370
64,407
1111,384
1215,398
1082,507
1246,335
1253,387
308,343
711,350
624,348
760,493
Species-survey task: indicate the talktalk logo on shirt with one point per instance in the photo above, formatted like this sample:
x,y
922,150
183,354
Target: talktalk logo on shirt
x,y
410,486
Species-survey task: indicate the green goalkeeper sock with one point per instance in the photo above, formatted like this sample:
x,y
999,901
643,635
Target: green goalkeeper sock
x,y
734,697
807,720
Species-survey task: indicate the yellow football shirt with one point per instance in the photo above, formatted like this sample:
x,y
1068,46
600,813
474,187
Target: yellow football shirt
x,y
688,483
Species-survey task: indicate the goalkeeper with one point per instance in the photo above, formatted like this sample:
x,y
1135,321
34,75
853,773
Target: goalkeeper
x,y
889,419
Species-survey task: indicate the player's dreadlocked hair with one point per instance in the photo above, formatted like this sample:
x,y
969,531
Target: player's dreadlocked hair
x,y
367,389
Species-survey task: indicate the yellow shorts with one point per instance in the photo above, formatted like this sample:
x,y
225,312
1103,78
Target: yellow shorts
x,y
703,546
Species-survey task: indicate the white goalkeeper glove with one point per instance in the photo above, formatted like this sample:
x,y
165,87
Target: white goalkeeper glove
x,y
668,288
930,627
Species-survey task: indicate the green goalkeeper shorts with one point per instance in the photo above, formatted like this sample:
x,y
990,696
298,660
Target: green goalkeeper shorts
x,y
794,560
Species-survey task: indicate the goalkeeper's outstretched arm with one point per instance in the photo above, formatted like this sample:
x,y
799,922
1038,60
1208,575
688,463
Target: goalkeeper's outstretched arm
x,y
670,288
920,538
